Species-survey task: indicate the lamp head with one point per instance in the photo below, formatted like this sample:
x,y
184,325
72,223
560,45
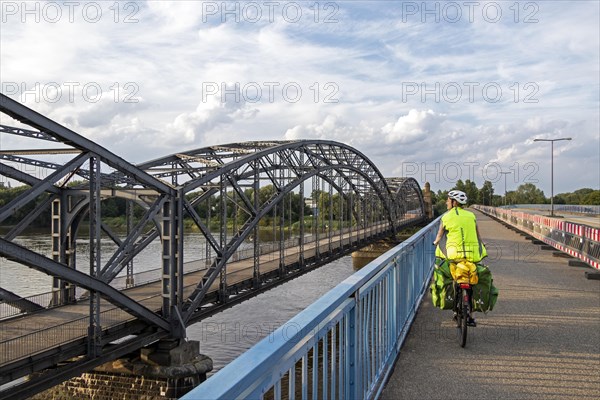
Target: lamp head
x,y
551,140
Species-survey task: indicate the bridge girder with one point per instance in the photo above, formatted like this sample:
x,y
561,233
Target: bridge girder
x,y
223,177
268,159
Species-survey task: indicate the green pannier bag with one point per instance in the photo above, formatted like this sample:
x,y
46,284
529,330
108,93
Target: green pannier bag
x,y
442,288
485,293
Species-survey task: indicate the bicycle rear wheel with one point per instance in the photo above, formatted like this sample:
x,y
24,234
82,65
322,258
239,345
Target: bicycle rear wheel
x,y
463,323
462,311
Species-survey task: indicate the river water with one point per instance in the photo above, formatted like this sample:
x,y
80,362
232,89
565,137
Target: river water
x,y
223,336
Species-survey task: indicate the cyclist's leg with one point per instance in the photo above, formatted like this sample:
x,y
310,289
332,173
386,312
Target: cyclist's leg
x,y
471,320
457,300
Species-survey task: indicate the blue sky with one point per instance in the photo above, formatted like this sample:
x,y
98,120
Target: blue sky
x,y
434,90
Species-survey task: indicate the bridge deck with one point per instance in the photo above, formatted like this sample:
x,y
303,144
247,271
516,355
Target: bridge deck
x,y
541,341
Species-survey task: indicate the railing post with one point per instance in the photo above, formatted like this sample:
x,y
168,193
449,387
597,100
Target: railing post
x,y
129,214
169,249
255,235
223,294
301,257
179,247
315,192
95,328
57,284
352,373
63,291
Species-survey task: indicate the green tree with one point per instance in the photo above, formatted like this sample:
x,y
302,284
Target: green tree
x,y
592,199
527,193
576,197
486,193
470,188
460,185
439,202
9,194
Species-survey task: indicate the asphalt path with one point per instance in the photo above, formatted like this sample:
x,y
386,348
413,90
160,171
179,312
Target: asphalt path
x,y
541,341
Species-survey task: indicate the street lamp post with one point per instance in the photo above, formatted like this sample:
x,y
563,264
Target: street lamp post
x,y
505,173
551,169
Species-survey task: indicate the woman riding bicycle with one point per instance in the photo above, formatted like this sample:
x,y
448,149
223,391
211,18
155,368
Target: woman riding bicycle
x,y
458,237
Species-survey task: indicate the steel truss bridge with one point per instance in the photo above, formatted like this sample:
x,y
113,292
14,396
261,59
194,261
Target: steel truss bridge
x,y
316,201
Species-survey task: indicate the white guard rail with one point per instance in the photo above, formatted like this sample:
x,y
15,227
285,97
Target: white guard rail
x,y
578,240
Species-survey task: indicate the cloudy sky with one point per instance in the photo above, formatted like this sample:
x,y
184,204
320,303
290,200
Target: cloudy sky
x,y
438,91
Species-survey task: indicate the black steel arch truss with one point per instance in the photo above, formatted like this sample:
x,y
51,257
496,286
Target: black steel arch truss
x,y
50,187
306,193
211,171
408,197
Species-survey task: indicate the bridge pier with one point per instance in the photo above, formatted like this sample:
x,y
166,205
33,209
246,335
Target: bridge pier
x,y
166,370
365,255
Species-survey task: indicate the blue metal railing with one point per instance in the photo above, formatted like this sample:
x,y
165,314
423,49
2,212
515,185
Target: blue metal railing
x,y
344,345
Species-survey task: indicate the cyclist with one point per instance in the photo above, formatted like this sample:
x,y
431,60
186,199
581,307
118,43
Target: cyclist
x,y
458,237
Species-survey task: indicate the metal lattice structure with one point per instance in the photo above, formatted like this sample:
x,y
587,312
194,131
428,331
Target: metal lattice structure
x,y
318,200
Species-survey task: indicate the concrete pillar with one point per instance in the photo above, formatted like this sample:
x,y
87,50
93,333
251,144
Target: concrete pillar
x,y
427,200
166,370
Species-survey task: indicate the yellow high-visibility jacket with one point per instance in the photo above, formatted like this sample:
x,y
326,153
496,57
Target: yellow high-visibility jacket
x,y
460,237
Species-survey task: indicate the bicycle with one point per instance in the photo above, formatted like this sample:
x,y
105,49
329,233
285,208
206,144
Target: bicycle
x,y
462,310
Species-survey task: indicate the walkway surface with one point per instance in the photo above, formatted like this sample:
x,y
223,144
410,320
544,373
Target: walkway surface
x,y
541,341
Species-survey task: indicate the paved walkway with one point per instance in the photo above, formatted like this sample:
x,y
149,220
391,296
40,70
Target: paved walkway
x,y
542,341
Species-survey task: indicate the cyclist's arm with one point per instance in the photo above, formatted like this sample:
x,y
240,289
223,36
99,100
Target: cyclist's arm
x,y
479,235
439,234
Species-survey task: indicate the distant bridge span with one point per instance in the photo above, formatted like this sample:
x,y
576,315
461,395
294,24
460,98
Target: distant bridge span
x,y
316,199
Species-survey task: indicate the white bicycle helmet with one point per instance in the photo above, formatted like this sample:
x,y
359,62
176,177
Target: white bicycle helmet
x,y
458,195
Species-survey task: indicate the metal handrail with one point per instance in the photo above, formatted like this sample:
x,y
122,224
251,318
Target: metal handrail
x,y
342,346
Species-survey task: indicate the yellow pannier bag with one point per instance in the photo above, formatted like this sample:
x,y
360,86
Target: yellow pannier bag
x,y
464,272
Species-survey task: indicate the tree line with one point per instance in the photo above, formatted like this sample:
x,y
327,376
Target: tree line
x,y
113,210
526,193
288,211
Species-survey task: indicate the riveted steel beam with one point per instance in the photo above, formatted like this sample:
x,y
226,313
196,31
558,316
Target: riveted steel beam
x,y
41,187
115,264
27,133
214,271
70,138
38,262
24,152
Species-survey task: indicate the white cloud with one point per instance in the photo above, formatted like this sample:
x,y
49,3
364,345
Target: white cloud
x,y
173,50
176,16
194,127
413,127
